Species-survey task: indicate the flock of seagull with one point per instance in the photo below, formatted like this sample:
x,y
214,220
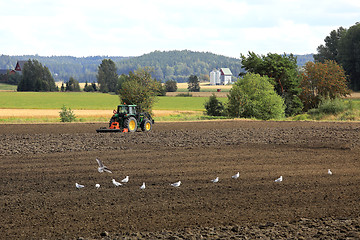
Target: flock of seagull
x,y
102,168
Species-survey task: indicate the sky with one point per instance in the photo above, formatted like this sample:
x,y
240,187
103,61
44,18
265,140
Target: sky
x,y
132,28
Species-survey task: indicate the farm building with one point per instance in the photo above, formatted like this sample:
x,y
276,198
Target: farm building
x,y
220,77
19,66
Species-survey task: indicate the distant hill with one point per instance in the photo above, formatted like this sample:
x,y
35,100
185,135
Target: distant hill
x,y
174,65
179,65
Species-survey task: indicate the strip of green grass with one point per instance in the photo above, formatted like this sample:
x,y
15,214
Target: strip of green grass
x,y
55,100
94,101
8,87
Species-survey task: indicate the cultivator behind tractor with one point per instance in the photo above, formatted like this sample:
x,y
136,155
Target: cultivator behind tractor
x,y
126,119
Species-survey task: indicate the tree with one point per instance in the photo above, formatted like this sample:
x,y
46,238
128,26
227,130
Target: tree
x,y
140,89
322,81
331,49
193,84
36,77
171,86
283,74
107,76
72,85
214,107
349,55
253,96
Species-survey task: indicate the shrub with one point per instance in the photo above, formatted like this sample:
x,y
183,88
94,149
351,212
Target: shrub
x,y
66,114
330,106
254,97
214,107
184,95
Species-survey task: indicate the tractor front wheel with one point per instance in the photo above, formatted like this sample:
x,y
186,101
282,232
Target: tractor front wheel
x,y
131,124
146,125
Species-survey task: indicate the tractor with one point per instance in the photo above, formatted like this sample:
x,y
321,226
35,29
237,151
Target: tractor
x,y
126,119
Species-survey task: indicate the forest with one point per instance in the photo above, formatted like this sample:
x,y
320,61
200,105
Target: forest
x,y
167,65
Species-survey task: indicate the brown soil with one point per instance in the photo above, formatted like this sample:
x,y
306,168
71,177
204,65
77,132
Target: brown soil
x,y
40,164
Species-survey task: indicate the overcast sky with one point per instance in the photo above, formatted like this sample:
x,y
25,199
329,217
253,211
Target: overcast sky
x,y
132,28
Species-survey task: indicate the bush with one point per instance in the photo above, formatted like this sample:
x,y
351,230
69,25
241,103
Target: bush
x,y
183,95
66,114
330,106
254,97
214,107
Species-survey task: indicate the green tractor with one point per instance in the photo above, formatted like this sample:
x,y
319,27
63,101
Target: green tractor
x,y
126,119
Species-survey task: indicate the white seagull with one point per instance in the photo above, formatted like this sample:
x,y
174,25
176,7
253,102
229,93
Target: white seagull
x,y
97,186
102,167
116,183
142,186
329,172
177,184
78,186
125,180
236,176
279,179
215,180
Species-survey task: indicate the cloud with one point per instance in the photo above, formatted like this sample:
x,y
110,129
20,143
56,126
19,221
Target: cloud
x,y
128,28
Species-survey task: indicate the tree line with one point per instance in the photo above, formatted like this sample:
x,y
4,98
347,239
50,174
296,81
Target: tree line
x,y
343,47
167,65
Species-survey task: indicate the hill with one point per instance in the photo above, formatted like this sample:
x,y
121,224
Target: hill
x,y
174,65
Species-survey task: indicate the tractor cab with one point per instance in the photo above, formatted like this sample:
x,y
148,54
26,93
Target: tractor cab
x,y
126,109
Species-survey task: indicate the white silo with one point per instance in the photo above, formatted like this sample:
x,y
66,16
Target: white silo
x,y
213,77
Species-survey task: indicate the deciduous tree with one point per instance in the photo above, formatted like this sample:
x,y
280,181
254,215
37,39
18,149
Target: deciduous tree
x,y
282,73
253,96
193,84
322,80
171,86
140,89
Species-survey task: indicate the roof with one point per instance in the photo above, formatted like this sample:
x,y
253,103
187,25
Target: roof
x,y
225,71
19,65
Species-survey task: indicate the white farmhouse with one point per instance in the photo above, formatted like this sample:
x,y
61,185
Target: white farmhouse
x,y
226,75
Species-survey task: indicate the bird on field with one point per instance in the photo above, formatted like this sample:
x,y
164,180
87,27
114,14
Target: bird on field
x,y
279,179
177,184
125,180
102,167
215,180
78,186
329,172
97,186
236,175
116,183
142,186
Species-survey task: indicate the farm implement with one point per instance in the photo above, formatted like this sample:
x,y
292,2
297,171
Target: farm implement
x,y
126,119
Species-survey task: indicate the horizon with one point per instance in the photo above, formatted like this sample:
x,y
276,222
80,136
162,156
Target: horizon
x,y
22,55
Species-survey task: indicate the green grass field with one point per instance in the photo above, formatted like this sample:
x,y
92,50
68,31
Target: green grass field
x,y
8,87
95,101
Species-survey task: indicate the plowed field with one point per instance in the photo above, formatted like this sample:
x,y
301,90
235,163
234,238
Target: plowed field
x,y
41,163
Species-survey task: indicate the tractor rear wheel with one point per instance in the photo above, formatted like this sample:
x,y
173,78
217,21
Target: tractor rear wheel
x,y
146,125
131,124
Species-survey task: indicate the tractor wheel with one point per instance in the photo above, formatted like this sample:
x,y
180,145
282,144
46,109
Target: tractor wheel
x,y
146,125
131,124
